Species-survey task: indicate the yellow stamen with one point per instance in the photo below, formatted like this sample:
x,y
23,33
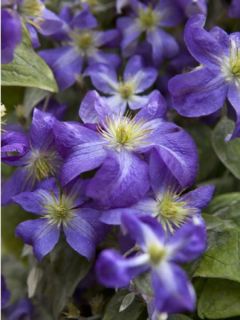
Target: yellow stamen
x,y
123,132
172,212
147,18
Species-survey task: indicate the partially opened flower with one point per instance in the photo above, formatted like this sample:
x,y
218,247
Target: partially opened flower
x,y
150,20
58,210
204,90
117,148
82,44
34,153
123,91
159,255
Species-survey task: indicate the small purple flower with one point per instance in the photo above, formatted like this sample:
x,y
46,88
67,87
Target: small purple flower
x,y
125,91
150,20
119,149
82,45
58,210
11,34
160,255
204,90
234,9
35,155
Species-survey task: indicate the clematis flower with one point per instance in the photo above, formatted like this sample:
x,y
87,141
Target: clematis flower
x,y
82,43
204,90
167,201
150,20
35,155
124,91
118,149
234,9
58,210
161,257
37,18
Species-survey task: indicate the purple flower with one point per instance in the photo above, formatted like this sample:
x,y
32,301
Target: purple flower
x,y
149,21
204,90
167,202
37,18
119,148
58,210
124,91
234,9
82,43
35,155
160,255
11,35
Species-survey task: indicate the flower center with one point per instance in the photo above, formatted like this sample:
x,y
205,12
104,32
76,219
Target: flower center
x,y
32,8
59,210
123,132
230,65
147,18
126,90
42,165
235,64
83,40
156,253
172,212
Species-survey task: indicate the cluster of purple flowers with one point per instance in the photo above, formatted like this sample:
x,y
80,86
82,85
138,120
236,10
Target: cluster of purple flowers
x,y
125,163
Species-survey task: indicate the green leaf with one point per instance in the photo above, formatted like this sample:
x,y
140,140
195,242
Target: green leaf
x,y
227,152
11,216
226,207
28,69
143,285
219,299
201,134
178,317
60,278
32,97
134,311
127,300
222,258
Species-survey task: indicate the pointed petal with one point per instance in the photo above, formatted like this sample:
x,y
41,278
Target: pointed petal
x,y
40,234
103,77
200,197
66,64
197,93
81,232
173,291
203,45
114,271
